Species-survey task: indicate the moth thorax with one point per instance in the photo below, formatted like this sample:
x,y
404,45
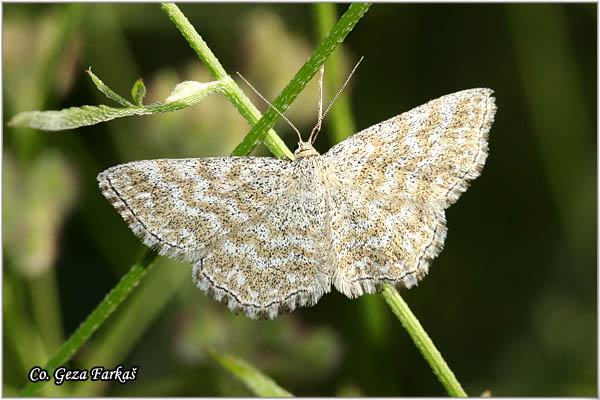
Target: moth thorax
x,y
305,149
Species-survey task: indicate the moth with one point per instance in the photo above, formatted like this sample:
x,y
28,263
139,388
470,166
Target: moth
x,y
266,236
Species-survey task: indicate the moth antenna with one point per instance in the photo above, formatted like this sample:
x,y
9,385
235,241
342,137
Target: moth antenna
x,y
334,99
317,128
272,106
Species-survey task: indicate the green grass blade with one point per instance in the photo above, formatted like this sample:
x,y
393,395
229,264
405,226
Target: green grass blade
x,y
108,92
256,381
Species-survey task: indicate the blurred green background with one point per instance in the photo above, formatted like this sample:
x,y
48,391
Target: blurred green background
x,y
510,302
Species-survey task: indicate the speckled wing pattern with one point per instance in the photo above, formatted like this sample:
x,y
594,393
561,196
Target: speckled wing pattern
x,y
266,236
255,232
394,181
276,261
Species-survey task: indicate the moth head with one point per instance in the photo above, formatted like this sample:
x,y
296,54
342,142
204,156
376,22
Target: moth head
x,y
305,149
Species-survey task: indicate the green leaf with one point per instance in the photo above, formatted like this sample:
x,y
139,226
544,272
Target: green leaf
x,y
138,91
108,92
184,95
256,381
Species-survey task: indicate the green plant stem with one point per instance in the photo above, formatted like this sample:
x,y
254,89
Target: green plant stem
x,y
422,341
112,300
325,48
123,331
257,382
233,92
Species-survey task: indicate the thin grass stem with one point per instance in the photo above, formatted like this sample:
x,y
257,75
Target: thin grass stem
x,y
423,342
